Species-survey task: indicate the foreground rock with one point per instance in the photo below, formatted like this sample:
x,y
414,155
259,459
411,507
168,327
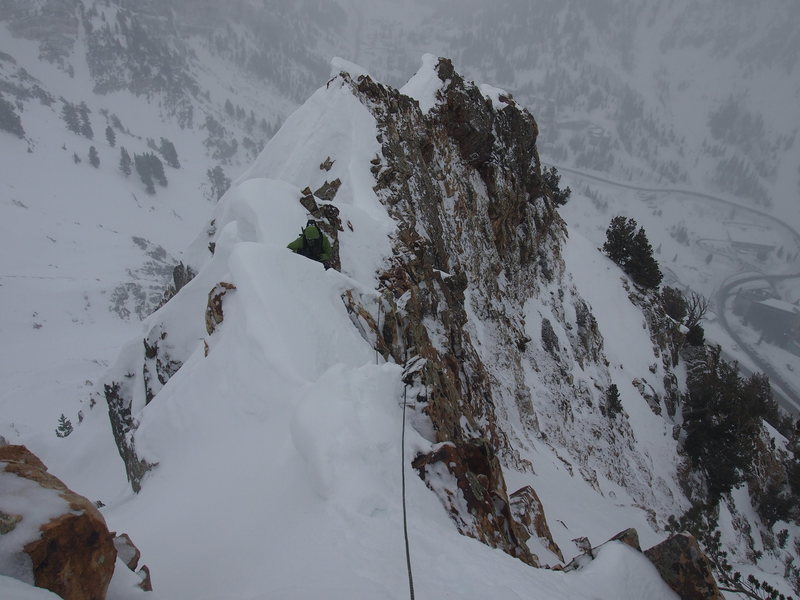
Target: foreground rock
x,y
53,538
682,564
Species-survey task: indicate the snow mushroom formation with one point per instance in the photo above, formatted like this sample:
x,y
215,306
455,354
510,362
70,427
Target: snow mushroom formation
x,y
275,388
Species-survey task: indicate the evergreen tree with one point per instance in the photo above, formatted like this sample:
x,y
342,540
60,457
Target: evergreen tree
x,y
64,426
613,404
722,418
169,153
619,240
229,107
94,159
552,180
75,158
632,251
124,161
86,125
111,136
144,169
643,268
9,119
696,335
156,168
674,303
70,115
219,182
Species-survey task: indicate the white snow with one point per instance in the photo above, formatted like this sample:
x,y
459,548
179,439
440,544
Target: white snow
x,y
14,589
425,84
340,65
493,93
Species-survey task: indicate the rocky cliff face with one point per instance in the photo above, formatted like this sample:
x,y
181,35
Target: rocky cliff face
x,y
483,313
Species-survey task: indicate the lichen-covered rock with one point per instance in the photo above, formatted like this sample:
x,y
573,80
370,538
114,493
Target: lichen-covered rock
x,y
682,564
60,541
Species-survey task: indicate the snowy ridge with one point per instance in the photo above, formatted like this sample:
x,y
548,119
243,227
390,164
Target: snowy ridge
x,y
289,411
261,405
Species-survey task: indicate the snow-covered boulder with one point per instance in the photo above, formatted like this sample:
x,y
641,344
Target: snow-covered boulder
x,y
51,537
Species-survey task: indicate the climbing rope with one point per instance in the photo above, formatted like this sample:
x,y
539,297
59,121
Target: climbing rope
x,y
402,458
403,478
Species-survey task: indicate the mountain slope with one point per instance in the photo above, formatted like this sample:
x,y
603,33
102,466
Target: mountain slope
x,y
283,441
511,314
620,88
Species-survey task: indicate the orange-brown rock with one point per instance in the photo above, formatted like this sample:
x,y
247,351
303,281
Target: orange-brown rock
x,y
629,537
127,551
74,555
478,480
682,564
529,512
214,314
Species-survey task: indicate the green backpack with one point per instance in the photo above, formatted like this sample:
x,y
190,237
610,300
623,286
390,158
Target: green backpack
x,y
312,246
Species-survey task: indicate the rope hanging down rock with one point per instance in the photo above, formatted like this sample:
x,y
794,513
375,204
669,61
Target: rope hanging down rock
x,y
403,474
402,458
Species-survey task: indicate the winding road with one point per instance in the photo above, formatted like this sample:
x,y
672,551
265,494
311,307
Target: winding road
x,y
786,393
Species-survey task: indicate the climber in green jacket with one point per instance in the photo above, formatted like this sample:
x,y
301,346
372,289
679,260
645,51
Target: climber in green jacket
x,y
313,244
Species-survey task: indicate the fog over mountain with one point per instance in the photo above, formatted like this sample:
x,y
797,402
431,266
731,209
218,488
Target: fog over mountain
x,y
156,151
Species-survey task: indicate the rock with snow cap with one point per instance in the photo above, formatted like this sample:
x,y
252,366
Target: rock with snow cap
x,y
685,568
60,541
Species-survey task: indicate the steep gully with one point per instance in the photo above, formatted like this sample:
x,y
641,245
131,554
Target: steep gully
x,y
785,393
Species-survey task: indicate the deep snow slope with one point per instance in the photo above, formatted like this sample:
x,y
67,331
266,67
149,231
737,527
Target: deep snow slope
x,y
266,433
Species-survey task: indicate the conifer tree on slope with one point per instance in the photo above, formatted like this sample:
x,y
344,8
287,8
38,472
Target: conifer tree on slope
x,y
94,159
9,119
70,115
111,136
643,268
632,251
619,239
124,161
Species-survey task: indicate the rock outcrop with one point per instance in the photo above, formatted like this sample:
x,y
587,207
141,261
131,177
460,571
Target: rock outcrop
x,y
528,511
55,538
478,237
214,313
682,564
467,175
129,554
469,475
